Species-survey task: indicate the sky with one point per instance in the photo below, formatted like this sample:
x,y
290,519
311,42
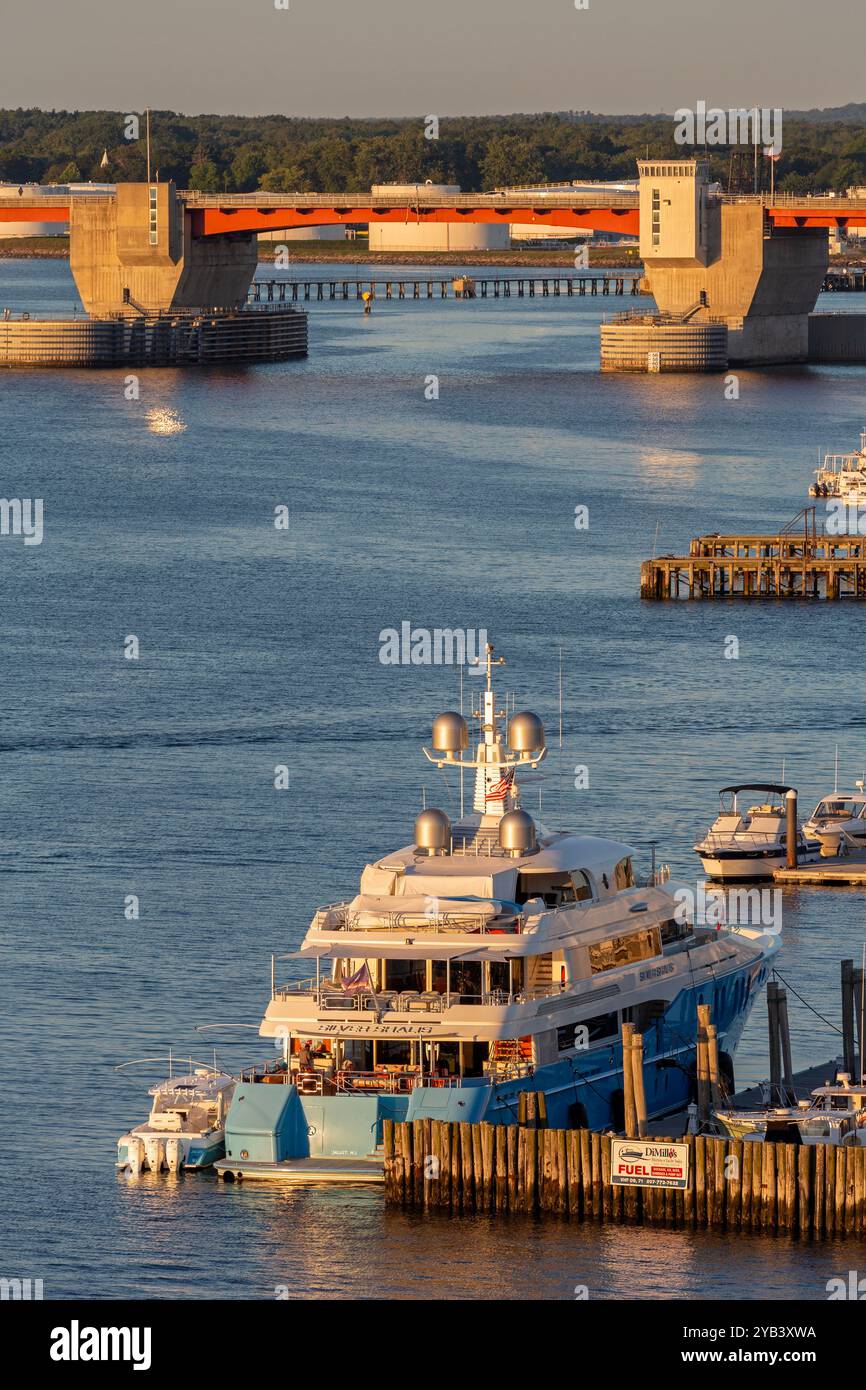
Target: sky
x,y
429,57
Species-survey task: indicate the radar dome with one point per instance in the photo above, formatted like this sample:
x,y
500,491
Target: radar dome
x,y
517,833
432,830
450,732
525,732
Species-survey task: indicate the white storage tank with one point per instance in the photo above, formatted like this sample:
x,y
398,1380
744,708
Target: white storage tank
x,y
412,235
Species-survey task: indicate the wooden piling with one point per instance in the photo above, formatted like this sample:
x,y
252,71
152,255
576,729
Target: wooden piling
x,y
804,1190
638,1085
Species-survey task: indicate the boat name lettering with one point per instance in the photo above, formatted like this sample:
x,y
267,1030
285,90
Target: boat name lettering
x,y
409,1029
656,971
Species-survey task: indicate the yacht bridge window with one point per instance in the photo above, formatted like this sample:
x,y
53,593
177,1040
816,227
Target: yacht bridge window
x,y
556,889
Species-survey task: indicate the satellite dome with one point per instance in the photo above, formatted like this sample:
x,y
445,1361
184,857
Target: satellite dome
x,y
432,830
517,833
450,732
525,732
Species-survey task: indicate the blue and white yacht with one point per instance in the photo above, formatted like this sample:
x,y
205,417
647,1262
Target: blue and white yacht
x,y
490,956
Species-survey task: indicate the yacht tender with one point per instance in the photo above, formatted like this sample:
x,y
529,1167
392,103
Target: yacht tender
x,y
490,956
186,1124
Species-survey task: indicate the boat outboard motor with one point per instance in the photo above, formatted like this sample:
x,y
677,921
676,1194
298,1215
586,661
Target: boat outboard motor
x,y
154,1149
174,1155
135,1154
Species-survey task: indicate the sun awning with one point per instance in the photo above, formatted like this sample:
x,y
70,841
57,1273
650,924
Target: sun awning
x,y
359,949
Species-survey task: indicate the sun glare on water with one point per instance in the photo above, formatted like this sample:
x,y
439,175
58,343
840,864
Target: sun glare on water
x,y
163,420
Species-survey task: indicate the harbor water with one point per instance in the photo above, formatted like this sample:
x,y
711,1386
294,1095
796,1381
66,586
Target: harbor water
x,y
431,457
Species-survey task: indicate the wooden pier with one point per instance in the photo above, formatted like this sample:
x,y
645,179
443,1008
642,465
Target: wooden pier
x,y
846,871
800,561
810,1190
453,287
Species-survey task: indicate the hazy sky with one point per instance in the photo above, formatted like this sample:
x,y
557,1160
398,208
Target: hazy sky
x,y
430,57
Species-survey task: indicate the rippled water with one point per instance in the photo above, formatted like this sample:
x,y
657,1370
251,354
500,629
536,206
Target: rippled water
x,y
260,648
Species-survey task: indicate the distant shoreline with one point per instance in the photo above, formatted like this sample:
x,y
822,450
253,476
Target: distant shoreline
x,y
343,252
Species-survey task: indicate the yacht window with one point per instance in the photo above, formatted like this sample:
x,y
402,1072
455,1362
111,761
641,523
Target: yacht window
x,y
623,874
499,975
582,886
838,806
555,889
674,930
466,981
393,1054
624,950
406,974
600,1028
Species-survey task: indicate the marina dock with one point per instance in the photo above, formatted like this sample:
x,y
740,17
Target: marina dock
x,y
526,286
798,561
847,871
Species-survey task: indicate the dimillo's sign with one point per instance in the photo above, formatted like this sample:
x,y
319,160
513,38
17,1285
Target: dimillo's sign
x,y
638,1163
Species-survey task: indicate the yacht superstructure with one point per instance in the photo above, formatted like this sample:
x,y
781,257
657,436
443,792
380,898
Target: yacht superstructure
x,y
489,956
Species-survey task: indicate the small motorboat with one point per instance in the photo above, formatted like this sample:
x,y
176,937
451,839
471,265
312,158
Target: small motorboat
x,y
842,477
839,822
752,844
186,1125
836,1114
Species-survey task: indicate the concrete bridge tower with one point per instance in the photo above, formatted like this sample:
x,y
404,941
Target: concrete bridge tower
x,y
134,252
707,258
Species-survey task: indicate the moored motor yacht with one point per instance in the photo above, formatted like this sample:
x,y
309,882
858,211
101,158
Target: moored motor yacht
x,y
842,478
751,844
186,1124
838,822
836,1114
491,956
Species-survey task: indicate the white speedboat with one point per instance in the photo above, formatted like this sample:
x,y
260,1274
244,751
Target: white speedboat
x,y
186,1124
839,822
489,957
751,844
836,1114
842,477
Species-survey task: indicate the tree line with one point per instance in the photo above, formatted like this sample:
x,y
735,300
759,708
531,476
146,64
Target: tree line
x,y
821,150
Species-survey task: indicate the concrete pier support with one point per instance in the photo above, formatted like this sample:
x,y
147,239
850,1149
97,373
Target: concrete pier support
x,y
709,259
134,252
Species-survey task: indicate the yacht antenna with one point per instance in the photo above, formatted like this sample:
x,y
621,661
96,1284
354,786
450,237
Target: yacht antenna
x,y
836,772
461,770
560,736
862,1007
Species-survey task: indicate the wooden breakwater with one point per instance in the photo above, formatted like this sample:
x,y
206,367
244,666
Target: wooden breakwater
x,y
809,1190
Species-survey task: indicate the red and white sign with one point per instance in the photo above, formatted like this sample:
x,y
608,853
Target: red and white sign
x,y
648,1163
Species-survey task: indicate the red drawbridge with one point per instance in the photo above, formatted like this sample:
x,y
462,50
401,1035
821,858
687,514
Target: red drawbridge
x,y
219,214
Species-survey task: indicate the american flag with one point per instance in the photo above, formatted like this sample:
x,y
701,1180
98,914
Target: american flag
x,y
502,788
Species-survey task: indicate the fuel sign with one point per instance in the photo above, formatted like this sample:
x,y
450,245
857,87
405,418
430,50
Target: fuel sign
x,y
642,1163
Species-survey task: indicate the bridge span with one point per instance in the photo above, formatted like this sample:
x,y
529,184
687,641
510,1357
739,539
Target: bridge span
x,y
756,264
